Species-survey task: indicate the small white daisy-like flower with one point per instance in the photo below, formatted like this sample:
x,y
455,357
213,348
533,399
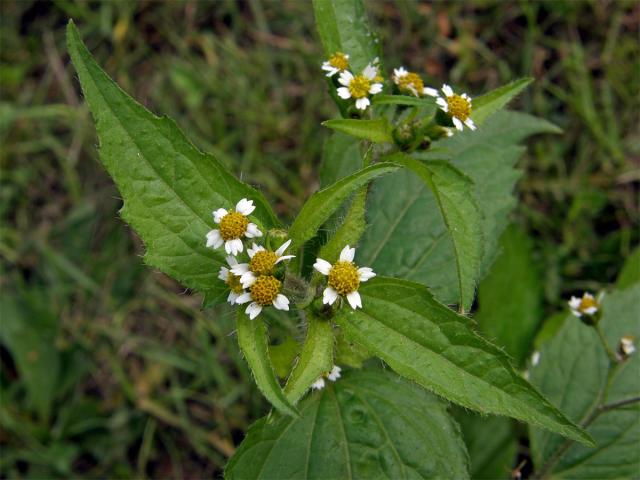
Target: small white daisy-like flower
x,y
626,346
360,86
262,262
263,292
587,305
338,62
344,278
412,83
232,280
333,375
234,225
457,106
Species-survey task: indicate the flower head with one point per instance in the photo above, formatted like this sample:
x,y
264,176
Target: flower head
x,y
587,305
338,62
264,291
344,278
457,106
412,83
234,225
262,262
626,347
232,280
360,86
333,375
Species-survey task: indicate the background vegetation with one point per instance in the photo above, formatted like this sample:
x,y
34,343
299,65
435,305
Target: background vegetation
x,y
123,374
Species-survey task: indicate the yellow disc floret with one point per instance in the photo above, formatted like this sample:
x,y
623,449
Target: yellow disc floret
x,y
459,107
263,262
411,82
339,60
587,303
233,281
265,290
344,277
233,225
359,86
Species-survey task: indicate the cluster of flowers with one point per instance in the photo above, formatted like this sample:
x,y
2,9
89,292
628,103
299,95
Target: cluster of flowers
x,y
363,85
255,282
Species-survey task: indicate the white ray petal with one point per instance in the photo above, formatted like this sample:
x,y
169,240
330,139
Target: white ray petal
x,y
365,273
354,300
345,78
322,266
432,92
458,124
253,310
469,123
447,90
362,103
254,249
223,274
375,88
344,93
218,214
347,254
245,207
243,298
281,302
329,296
252,231
283,247
214,239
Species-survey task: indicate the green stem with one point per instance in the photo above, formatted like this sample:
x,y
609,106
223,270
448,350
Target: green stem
x,y
613,358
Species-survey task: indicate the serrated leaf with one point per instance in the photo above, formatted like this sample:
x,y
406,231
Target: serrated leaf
x,y
369,424
406,235
489,103
340,157
453,192
253,342
324,203
169,188
315,359
430,344
343,27
574,370
378,130
510,296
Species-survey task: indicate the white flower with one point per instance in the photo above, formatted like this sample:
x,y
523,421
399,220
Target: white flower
x,y
234,225
626,346
587,305
337,63
262,262
333,375
263,292
457,106
344,278
232,280
535,358
360,86
411,82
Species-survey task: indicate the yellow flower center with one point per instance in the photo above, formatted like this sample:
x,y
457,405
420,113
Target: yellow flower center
x,y
412,83
233,281
339,60
459,107
233,225
344,277
263,262
265,290
586,303
359,86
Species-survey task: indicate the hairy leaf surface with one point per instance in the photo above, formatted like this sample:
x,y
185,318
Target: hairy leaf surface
x,y
574,371
406,236
369,424
425,341
495,100
169,188
253,342
378,131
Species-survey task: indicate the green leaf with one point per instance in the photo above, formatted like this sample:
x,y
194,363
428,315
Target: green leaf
x,y
454,196
350,230
378,131
252,339
169,188
510,297
489,103
324,203
369,424
340,158
406,235
315,359
406,100
630,273
430,344
28,330
491,444
283,355
343,27
575,372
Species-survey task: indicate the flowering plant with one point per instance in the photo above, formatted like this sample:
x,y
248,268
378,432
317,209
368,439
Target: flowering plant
x,y
418,179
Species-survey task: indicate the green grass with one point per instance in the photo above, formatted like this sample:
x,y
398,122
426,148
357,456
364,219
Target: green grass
x,y
146,384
